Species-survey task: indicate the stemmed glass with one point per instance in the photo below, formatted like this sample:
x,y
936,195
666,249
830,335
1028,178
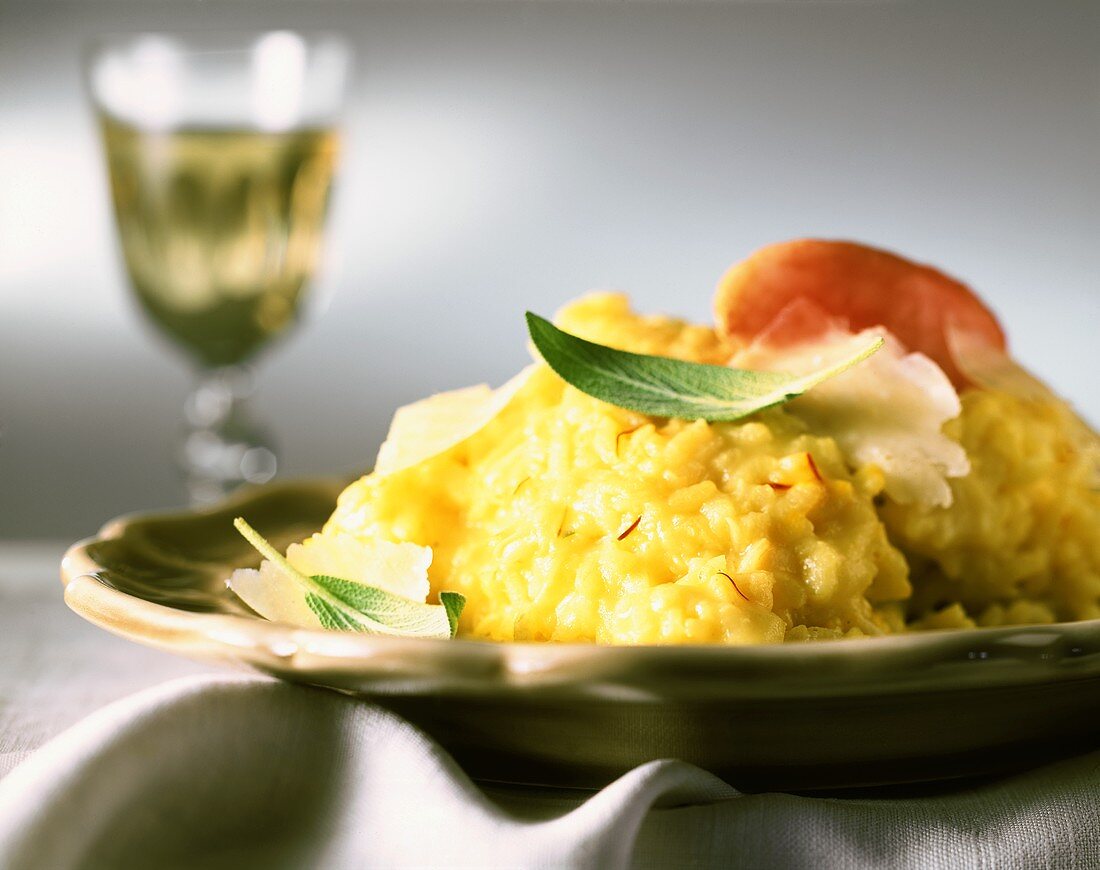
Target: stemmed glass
x,y
221,150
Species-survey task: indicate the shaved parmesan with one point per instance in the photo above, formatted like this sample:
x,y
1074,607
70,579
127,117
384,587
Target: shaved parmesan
x,y
273,594
398,568
888,411
401,569
436,424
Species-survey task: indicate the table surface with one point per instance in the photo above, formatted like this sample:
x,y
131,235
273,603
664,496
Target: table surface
x,y
55,668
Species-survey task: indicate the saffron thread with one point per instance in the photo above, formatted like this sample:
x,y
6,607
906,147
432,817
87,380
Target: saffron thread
x,y
814,468
625,432
735,586
630,528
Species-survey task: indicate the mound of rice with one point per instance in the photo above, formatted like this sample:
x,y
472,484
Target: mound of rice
x,y
568,519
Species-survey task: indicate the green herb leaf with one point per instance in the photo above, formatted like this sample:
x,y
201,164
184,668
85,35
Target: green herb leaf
x,y
332,617
395,613
347,605
665,387
454,603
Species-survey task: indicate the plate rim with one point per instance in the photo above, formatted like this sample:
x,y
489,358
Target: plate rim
x,y
931,660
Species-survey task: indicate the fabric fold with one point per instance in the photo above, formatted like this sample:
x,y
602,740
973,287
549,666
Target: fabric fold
x,y
242,772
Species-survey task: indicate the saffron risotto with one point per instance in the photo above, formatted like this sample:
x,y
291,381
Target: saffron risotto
x,y
568,519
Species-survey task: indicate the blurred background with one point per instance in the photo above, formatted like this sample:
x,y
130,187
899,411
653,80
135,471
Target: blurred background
x,y
511,155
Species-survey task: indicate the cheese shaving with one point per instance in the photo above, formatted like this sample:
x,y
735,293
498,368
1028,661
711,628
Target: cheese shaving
x,y
436,424
888,411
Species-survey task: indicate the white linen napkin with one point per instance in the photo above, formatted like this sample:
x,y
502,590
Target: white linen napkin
x,y
222,772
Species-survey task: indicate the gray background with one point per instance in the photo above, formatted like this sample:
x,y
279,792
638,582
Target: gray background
x,y
504,156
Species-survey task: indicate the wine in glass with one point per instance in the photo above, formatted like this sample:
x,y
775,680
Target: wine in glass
x,y
221,151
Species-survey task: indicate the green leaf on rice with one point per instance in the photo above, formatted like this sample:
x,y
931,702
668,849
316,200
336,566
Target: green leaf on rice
x,y
348,605
665,387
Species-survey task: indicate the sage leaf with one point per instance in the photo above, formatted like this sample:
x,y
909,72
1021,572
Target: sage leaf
x,y
332,617
396,614
347,605
665,387
454,603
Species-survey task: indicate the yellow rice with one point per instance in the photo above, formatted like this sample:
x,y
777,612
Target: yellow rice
x,y
568,519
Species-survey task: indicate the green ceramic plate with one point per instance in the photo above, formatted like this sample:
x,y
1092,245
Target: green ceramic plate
x,y
832,714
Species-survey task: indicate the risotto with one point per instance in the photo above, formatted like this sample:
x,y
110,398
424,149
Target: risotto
x,y
911,493
568,519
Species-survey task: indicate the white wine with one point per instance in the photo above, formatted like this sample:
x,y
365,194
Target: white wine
x,y
221,229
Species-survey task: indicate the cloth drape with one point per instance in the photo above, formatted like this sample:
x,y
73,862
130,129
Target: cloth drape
x,y
228,772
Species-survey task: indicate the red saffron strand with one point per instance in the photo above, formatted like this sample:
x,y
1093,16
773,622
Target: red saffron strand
x,y
625,432
631,528
735,586
814,468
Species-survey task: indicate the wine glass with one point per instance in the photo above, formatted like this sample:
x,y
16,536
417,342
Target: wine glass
x,y
221,150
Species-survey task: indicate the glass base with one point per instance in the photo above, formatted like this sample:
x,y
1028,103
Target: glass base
x,y
223,448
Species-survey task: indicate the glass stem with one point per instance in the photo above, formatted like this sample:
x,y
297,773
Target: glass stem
x,y
222,447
